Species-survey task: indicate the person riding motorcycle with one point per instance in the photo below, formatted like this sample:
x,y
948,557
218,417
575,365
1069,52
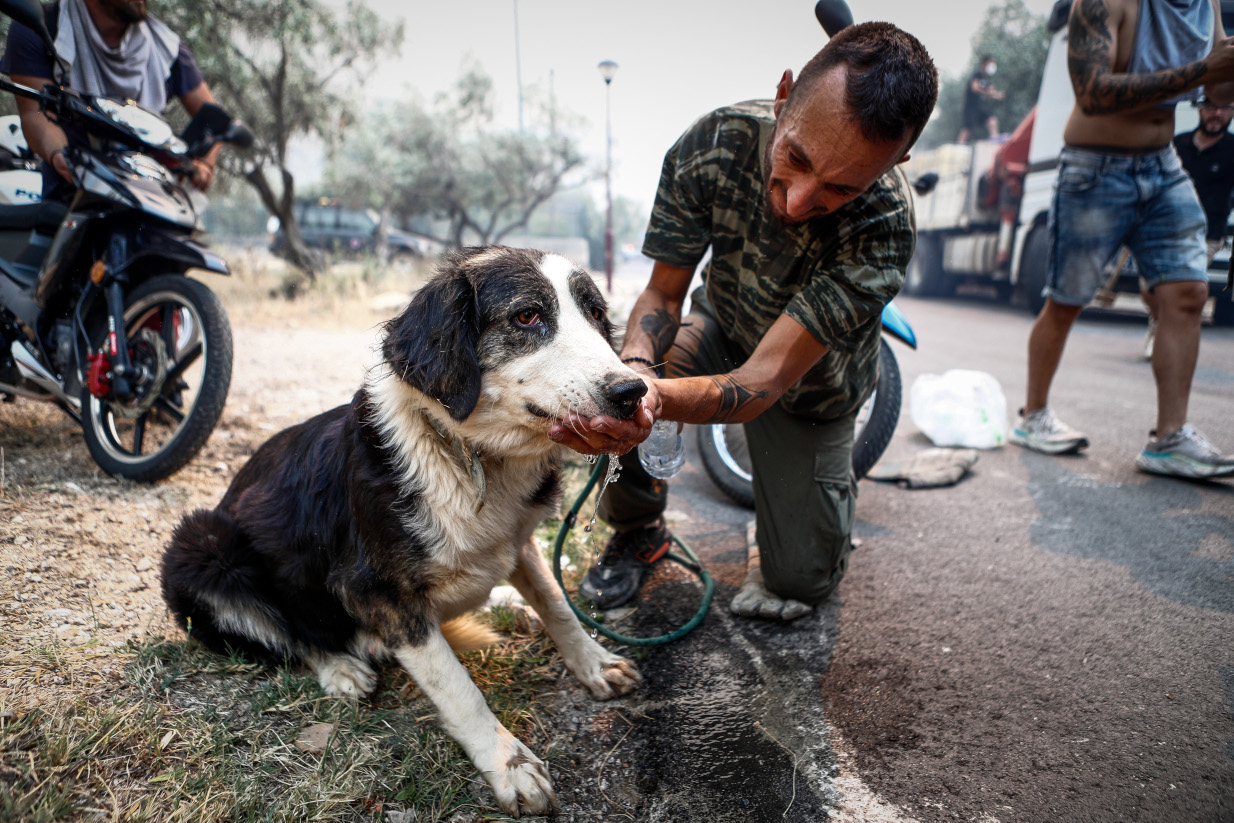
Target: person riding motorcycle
x,y
97,314
113,48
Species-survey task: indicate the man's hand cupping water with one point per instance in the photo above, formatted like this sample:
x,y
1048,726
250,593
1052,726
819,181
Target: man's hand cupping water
x,y
603,434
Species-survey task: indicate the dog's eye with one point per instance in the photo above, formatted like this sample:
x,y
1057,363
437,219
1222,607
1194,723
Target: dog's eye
x,y
597,313
527,318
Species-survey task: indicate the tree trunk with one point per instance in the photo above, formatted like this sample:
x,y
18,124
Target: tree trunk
x,y
283,207
382,240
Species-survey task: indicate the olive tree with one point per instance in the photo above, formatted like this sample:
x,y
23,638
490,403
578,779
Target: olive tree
x,y
288,69
450,165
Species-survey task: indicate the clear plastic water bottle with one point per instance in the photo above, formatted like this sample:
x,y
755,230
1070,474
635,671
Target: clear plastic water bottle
x,y
663,453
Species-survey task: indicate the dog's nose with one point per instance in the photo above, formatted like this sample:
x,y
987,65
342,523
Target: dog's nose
x,y
623,395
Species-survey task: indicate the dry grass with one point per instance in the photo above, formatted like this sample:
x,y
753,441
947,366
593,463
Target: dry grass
x,y
192,736
262,289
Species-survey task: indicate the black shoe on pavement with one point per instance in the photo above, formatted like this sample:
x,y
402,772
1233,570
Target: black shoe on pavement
x,y
618,575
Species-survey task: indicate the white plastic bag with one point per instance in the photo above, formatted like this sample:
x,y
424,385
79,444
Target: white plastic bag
x,y
961,408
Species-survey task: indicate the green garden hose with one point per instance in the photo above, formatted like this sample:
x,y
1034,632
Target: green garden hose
x,y
690,561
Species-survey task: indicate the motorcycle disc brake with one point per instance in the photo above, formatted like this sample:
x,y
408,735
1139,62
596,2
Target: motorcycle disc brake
x,y
148,353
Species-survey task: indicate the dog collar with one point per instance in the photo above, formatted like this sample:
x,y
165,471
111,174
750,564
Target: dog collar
x,y
469,456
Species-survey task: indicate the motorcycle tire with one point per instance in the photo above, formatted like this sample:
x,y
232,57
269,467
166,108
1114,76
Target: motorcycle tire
x,y
178,327
726,456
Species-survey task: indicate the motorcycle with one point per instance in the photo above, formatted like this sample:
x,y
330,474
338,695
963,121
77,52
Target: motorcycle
x,y
97,314
726,456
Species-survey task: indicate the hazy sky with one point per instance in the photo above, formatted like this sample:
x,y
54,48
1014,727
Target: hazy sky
x,y
677,58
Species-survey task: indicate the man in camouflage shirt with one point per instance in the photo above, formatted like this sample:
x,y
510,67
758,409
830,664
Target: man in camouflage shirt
x,y
810,227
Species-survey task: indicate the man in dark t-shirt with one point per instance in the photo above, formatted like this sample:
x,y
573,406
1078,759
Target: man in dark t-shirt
x,y
1207,154
97,33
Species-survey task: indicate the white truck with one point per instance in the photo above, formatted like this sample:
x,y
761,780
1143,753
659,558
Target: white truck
x,y
984,219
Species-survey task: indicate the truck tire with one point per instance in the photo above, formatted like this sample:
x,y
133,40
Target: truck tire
x,y
925,276
1034,269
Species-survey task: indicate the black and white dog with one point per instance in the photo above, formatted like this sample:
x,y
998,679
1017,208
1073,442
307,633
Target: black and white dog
x,y
355,536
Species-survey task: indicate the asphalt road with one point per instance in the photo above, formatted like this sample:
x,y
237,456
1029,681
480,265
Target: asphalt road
x,y
1052,639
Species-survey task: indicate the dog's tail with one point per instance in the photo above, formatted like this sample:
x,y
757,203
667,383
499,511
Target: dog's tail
x,y
212,584
467,634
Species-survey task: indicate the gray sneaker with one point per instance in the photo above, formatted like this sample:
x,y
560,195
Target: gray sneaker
x,y
1185,453
1041,431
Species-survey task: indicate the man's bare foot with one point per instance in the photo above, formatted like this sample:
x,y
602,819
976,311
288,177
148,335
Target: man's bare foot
x,y
754,599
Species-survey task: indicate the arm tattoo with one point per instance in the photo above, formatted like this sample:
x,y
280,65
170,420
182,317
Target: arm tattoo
x,y
661,329
1099,90
734,398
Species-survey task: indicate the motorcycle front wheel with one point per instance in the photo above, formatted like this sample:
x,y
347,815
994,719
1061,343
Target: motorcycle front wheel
x,y
180,342
726,455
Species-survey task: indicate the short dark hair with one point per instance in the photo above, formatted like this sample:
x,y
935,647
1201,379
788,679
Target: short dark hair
x,y
892,83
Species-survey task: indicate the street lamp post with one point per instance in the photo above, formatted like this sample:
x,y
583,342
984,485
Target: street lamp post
x,y
518,69
607,69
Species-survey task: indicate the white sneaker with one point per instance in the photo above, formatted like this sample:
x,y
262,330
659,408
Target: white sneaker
x,y
1185,453
1041,431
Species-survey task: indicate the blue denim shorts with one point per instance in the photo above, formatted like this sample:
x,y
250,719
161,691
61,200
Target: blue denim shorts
x,y
1105,201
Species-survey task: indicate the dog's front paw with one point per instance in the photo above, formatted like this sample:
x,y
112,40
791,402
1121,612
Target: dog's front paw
x,y
621,676
520,780
344,675
606,675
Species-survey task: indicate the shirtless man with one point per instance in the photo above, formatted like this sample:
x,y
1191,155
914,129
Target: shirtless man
x,y
1120,182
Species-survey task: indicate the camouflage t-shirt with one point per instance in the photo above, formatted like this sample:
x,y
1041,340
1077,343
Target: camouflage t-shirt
x,y
832,274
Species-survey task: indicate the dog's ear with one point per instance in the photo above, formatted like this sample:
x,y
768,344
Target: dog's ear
x,y
431,346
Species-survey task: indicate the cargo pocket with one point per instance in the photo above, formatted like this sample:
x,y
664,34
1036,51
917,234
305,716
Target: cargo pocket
x,y
838,494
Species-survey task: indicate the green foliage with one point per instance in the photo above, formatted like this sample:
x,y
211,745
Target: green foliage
x,y
447,166
1018,41
283,66
287,69
8,103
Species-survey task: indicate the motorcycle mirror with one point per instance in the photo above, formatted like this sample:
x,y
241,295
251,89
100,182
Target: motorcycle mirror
x,y
239,135
926,182
30,14
833,15
210,119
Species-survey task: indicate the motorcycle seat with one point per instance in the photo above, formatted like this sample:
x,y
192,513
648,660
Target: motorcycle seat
x,y
46,215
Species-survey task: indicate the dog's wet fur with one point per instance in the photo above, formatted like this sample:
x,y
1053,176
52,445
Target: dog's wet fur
x,y
355,536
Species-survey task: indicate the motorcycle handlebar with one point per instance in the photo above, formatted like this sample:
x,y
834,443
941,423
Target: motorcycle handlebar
x,y
240,136
22,91
212,125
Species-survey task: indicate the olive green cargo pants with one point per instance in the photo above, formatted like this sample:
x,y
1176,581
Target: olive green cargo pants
x,y
804,491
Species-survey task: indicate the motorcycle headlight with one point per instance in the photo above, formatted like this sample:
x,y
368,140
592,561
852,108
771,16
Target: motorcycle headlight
x,y
148,126
144,166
